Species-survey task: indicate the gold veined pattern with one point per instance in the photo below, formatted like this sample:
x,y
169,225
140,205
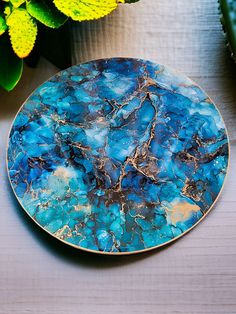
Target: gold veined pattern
x,y
118,156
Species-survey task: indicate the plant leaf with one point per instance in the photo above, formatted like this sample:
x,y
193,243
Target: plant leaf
x,y
228,19
46,13
7,11
17,3
10,65
82,10
22,31
3,25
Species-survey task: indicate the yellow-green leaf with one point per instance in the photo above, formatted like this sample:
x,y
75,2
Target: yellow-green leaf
x,y
22,31
17,3
81,10
3,25
7,11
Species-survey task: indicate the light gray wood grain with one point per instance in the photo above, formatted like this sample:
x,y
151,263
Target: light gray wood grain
x,y
195,275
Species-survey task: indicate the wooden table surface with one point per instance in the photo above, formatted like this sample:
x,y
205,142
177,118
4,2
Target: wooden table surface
x,y
196,274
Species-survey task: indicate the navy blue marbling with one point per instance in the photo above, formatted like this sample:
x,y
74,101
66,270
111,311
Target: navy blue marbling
x,y
117,155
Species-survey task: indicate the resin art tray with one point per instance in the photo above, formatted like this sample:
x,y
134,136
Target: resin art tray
x,y
118,156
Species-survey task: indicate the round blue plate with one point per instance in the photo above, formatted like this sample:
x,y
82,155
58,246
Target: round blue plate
x,y
118,155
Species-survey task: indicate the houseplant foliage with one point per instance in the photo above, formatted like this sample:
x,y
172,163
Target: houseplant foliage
x,y
228,18
20,21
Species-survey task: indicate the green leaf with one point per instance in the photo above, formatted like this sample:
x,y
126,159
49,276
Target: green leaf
x,y
81,10
17,3
46,12
22,31
10,65
228,19
131,1
3,25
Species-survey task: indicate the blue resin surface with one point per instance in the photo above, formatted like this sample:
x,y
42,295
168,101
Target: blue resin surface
x,y
117,155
